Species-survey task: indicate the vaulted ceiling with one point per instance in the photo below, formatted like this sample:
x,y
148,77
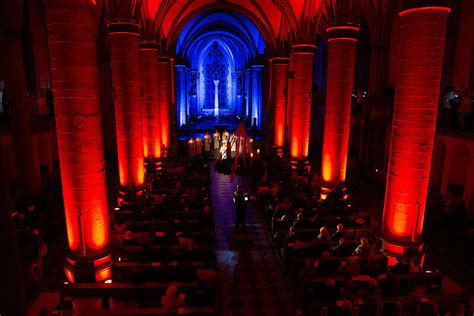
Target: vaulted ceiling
x,y
280,22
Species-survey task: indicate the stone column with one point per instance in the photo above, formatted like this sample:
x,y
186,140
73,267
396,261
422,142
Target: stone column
x,y
72,33
181,94
164,98
248,93
302,90
279,97
422,39
342,39
257,95
148,55
128,116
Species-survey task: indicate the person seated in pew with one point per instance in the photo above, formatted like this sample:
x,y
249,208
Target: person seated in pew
x,y
324,235
120,226
330,292
309,271
371,267
129,239
339,233
299,221
363,251
326,267
348,290
206,275
171,299
350,267
401,267
342,249
371,292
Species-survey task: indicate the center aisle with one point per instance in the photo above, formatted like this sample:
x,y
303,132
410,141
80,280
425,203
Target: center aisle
x,y
251,281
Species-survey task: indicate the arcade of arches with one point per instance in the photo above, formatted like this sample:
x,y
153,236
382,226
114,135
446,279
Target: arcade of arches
x,y
119,117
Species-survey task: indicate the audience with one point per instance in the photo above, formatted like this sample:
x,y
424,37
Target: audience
x,y
400,267
363,251
324,235
342,249
339,232
172,299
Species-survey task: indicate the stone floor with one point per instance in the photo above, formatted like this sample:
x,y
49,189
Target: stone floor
x,y
251,281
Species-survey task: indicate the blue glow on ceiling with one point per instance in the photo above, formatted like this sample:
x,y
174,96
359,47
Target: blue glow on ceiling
x,y
235,34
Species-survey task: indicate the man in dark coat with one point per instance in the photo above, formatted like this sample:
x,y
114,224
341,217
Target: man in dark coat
x,y
240,200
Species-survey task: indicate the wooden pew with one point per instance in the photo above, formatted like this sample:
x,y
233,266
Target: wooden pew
x,y
162,253
145,311
156,271
145,294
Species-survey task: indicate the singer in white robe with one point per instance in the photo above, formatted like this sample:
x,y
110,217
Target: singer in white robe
x,y
207,142
217,138
198,146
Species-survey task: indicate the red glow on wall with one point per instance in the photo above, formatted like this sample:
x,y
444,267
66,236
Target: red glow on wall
x,y
337,116
128,121
150,105
72,49
279,86
152,8
164,99
302,93
414,122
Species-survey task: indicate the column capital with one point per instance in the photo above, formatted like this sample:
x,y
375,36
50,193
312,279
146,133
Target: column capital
x,y
412,5
303,49
257,66
148,45
343,31
163,59
280,60
124,26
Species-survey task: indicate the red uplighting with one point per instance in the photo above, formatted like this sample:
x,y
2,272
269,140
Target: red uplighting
x,y
279,84
128,114
164,99
414,123
302,93
79,129
340,81
150,102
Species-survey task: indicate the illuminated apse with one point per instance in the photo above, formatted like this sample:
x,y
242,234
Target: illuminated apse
x,y
218,73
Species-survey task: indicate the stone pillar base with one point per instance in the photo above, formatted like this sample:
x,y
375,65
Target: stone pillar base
x,y
88,269
341,192
408,250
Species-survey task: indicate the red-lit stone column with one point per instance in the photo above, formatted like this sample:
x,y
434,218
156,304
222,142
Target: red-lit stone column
x,y
422,39
342,40
164,98
128,121
278,93
302,90
148,56
72,34
172,82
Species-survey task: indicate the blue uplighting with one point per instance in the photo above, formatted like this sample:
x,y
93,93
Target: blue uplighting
x,y
216,49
